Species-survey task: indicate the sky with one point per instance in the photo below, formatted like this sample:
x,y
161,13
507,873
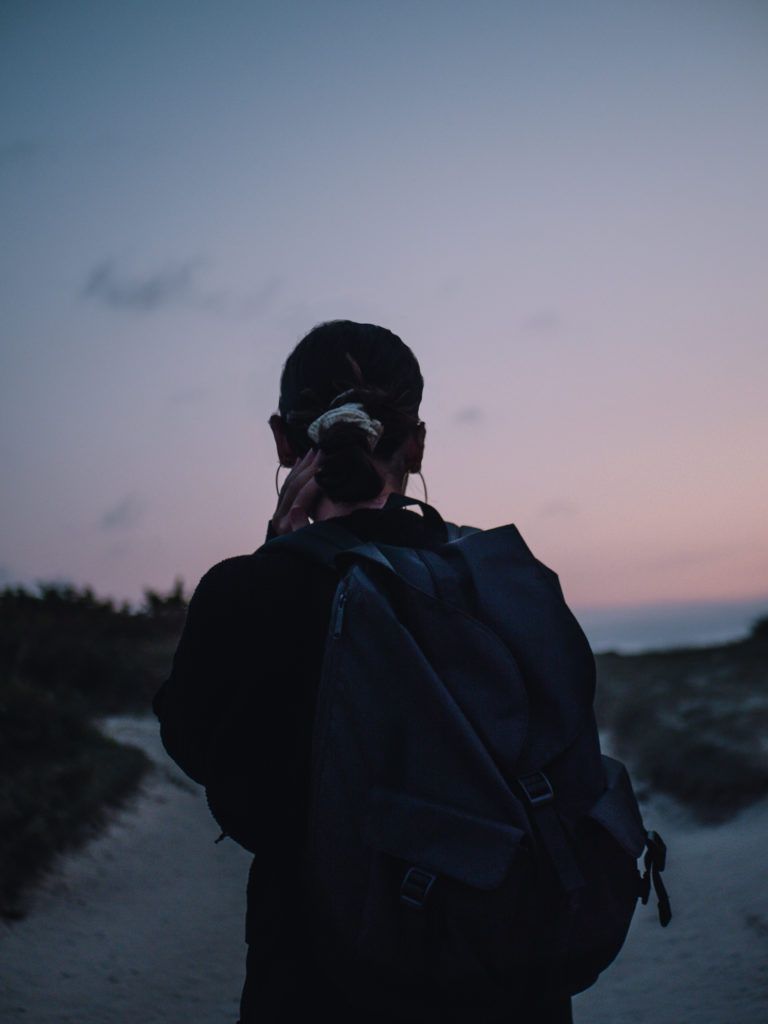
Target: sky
x,y
560,206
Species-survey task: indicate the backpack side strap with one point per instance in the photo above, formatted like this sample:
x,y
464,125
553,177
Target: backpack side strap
x,y
540,795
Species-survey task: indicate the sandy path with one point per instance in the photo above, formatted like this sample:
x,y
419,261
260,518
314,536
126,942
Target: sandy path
x,y
146,923
710,965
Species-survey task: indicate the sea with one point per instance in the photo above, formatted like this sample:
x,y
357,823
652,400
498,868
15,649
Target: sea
x,y
666,625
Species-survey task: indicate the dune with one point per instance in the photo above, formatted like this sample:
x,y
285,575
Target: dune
x,y
146,922
710,964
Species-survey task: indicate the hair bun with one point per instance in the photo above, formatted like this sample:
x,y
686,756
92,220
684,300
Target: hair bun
x,y
347,473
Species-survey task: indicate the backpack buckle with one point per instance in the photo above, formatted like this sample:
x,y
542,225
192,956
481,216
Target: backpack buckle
x,y
415,886
537,788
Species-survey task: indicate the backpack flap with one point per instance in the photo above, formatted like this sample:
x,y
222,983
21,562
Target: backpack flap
x,y
475,851
617,809
520,599
442,917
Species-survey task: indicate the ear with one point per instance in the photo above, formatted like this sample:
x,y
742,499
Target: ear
x,y
285,453
414,448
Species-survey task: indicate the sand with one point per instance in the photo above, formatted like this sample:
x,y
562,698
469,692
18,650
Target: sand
x,y
146,922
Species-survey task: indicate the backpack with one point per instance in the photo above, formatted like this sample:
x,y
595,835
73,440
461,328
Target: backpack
x,y
470,849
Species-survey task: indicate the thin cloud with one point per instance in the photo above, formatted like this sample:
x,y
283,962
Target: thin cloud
x,y
542,322
173,286
125,514
177,285
468,414
558,509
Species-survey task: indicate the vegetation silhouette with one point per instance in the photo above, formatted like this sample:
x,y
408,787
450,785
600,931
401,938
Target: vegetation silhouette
x,y
688,720
692,721
68,657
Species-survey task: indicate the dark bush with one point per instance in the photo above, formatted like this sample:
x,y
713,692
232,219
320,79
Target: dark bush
x,y
691,722
57,776
65,657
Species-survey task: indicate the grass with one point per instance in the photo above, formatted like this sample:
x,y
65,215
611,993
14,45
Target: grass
x,y
59,777
66,658
693,722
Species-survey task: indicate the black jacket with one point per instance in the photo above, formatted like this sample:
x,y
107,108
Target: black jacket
x,y
239,702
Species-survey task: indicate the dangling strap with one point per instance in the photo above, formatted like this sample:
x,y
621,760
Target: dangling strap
x,y
655,862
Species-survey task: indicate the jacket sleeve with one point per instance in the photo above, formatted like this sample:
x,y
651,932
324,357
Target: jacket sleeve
x,y
190,701
211,661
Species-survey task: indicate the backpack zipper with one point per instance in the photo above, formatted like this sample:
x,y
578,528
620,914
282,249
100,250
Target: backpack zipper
x,y
338,618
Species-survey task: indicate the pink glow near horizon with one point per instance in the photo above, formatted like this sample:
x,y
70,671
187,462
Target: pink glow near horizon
x,y
563,215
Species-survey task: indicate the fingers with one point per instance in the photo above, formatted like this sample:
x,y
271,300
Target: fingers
x,y
298,495
297,477
306,498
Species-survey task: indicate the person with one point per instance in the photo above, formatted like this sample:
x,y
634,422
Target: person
x,y
239,703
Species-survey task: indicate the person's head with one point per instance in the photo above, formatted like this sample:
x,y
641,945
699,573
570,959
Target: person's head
x,y
364,364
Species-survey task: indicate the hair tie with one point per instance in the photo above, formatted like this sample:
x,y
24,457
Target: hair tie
x,y
349,412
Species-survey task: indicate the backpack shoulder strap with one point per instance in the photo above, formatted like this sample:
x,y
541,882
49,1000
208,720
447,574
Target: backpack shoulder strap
x,y
331,544
430,513
325,542
450,531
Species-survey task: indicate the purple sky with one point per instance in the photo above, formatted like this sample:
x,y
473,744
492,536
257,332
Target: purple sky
x,y
561,207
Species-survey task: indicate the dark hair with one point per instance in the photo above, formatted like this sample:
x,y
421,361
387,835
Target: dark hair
x,y
379,371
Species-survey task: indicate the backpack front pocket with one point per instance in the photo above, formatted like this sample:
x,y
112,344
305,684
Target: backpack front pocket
x,y
608,841
442,901
617,809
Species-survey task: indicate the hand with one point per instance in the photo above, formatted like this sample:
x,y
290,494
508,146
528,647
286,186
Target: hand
x,y
298,495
